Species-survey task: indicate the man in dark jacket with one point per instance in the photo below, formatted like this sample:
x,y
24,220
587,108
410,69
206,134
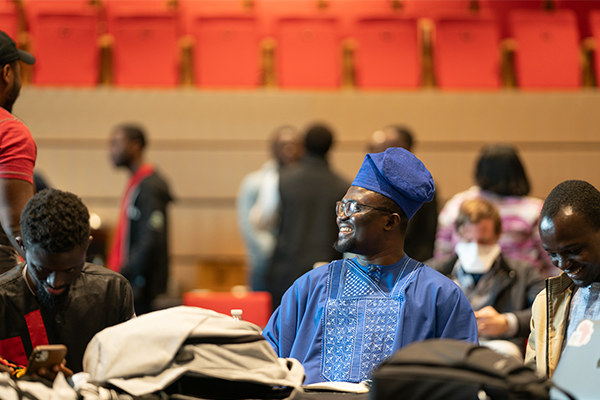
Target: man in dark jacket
x,y
501,290
140,246
55,297
309,191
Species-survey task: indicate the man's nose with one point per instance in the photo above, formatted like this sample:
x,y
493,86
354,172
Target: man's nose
x,y
341,218
562,262
55,280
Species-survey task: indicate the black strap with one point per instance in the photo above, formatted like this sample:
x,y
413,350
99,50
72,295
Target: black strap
x,y
224,339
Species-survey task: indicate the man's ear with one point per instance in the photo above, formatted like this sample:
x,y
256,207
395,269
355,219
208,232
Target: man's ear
x,y
7,73
393,221
20,243
90,239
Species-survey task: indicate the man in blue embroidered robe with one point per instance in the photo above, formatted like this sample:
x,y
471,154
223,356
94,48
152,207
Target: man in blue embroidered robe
x,y
343,319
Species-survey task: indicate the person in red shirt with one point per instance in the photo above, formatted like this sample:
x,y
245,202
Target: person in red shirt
x,y
17,153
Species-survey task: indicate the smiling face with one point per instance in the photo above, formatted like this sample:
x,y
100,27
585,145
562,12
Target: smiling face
x,y
573,245
51,275
362,232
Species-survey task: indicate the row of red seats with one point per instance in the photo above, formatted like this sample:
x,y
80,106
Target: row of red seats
x,y
145,49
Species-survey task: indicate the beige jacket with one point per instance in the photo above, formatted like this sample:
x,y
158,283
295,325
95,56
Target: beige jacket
x,y
549,323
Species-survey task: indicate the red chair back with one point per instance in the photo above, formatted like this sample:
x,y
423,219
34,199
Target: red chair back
x,y
582,9
594,20
431,8
387,54
226,52
547,55
308,53
466,52
9,18
349,12
64,41
501,9
269,12
256,306
189,10
145,49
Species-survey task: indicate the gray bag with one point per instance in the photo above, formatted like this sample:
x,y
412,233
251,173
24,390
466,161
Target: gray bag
x,y
193,351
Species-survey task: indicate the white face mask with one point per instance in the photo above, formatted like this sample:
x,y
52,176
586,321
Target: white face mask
x,y
477,258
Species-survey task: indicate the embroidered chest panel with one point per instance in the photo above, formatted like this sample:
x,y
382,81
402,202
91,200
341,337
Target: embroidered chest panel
x,y
360,325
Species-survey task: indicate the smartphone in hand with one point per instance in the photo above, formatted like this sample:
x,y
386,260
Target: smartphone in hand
x,y
46,356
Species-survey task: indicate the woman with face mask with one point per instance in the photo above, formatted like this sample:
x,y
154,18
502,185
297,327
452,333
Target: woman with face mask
x,y
500,289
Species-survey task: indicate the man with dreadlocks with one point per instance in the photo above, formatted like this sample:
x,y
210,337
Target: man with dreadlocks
x,y
55,297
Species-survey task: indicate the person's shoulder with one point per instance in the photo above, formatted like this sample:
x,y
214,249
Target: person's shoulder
x,y
427,275
518,265
96,272
6,116
11,278
157,184
10,122
441,263
315,277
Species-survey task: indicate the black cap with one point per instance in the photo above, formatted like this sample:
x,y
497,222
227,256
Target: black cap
x,y
10,53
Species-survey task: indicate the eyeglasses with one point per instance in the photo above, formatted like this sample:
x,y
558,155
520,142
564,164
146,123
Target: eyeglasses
x,y
351,207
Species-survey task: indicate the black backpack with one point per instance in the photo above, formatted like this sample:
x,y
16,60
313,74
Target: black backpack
x,y
447,369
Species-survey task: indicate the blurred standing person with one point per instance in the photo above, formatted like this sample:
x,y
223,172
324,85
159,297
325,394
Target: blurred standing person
x,y
140,246
309,191
420,234
258,204
17,154
501,179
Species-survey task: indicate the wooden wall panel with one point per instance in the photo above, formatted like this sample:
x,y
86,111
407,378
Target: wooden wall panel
x,y
206,142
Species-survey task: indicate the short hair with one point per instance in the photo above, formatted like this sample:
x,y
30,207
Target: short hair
x,y
476,210
133,133
499,170
581,196
318,139
405,134
55,221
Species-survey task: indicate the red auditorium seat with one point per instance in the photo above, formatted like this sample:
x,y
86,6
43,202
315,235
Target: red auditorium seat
x,y
9,18
190,9
430,8
547,54
594,19
466,52
64,41
308,53
582,9
256,306
501,9
226,52
348,12
269,12
145,51
387,54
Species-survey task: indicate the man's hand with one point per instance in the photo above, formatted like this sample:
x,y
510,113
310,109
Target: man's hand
x,y
4,368
51,374
490,323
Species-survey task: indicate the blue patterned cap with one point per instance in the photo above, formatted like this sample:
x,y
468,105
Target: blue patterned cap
x,y
399,175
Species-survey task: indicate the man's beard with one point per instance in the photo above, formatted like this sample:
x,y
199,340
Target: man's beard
x,y
11,98
347,246
50,302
